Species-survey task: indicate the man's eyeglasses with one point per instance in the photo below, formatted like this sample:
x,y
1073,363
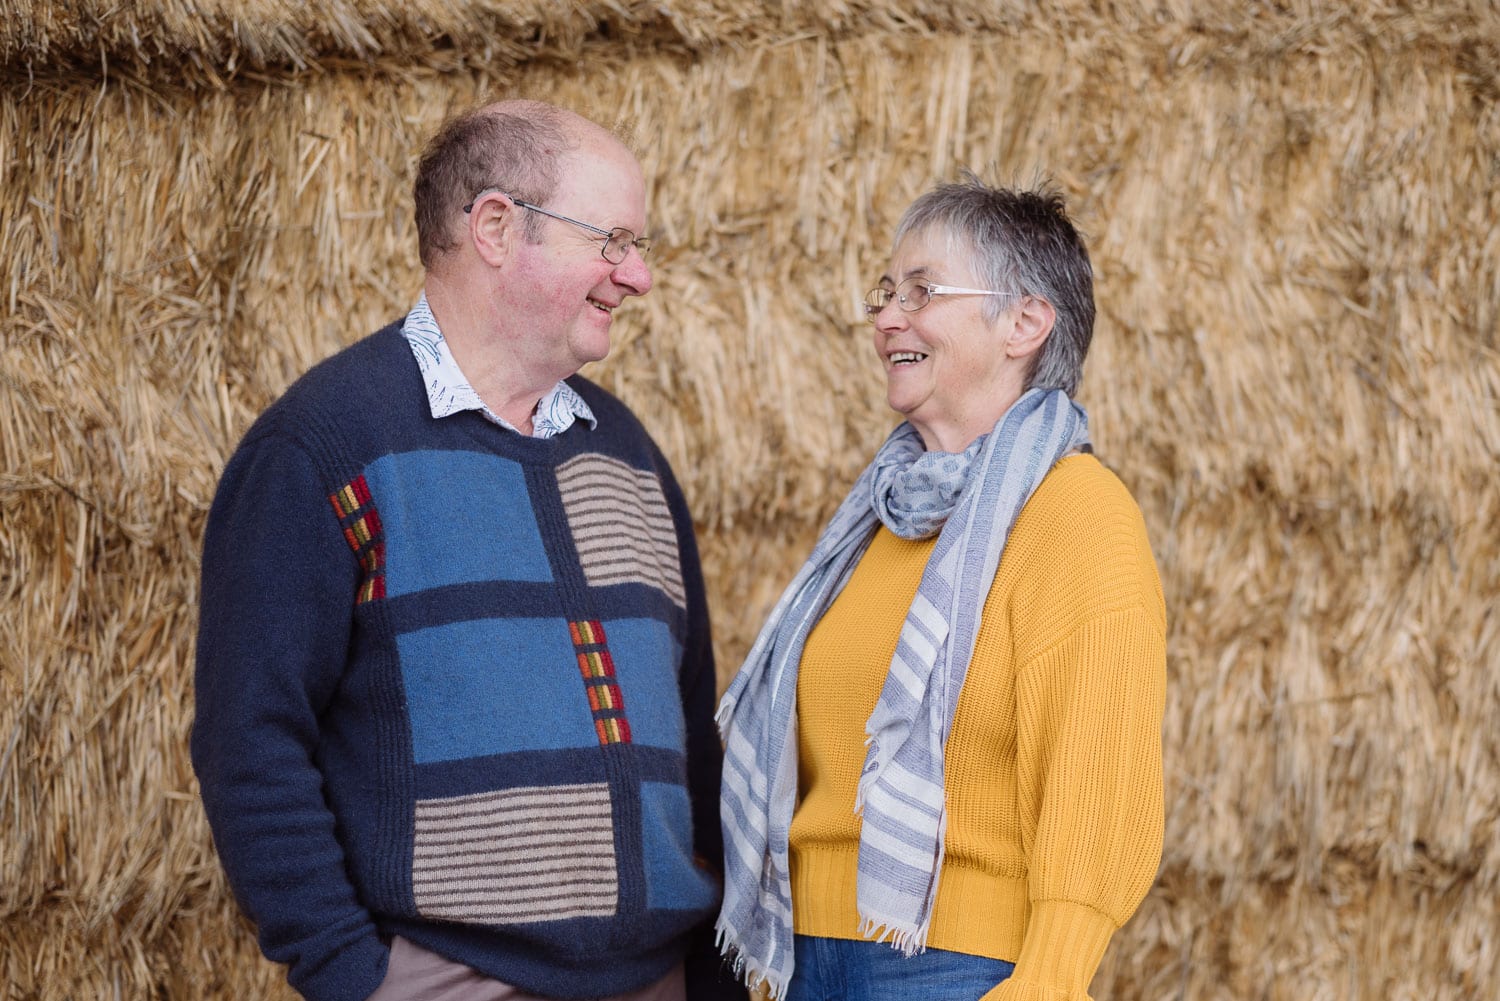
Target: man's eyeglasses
x,y
617,241
914,293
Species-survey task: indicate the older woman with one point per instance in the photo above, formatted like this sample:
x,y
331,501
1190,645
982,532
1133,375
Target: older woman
x,y
943,775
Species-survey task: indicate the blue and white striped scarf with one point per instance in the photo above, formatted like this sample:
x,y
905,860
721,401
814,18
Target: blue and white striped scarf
x,y
971,500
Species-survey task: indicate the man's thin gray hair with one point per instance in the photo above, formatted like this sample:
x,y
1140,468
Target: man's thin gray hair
x,y
1020,241
515,151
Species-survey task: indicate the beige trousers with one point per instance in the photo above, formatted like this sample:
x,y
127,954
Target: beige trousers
x,y
418,974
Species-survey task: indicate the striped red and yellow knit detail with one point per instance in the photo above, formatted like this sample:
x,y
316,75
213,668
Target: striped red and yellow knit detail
x,y
598,670
359,519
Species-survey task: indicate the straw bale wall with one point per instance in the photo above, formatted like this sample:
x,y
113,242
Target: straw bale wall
x,y
1292,212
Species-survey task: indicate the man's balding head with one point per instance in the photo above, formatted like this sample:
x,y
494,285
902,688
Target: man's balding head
x,y
516,146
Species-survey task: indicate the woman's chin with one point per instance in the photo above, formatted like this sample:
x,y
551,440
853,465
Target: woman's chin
x,y
902,400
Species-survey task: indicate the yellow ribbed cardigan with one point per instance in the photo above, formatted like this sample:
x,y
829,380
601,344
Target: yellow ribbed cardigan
x,y
1053,766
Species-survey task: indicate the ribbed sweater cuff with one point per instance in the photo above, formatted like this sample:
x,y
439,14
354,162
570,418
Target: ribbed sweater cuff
x,y
1064,944
351,974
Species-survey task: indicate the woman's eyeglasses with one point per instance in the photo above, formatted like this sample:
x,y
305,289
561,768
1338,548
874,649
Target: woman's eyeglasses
x,y
914,293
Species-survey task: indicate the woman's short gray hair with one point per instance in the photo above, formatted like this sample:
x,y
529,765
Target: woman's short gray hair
x,y
1020,241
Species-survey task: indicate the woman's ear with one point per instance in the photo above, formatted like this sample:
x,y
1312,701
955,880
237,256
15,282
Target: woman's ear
x,y
1034,319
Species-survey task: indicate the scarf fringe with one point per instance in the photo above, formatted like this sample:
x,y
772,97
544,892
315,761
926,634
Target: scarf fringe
x,y
745,966
723,715
909,940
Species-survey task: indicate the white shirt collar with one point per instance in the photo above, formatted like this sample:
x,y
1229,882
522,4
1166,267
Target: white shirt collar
x,y
449,392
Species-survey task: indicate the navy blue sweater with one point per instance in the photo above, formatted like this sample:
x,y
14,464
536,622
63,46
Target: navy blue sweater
x,y
456,684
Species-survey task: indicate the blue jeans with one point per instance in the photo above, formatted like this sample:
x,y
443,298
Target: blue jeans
x,y
838,969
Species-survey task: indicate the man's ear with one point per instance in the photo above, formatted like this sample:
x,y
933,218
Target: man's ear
x,y
1034,319
494,228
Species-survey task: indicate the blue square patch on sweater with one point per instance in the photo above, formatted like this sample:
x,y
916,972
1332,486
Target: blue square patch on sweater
x,y
673,882
645,660
455,518
490,686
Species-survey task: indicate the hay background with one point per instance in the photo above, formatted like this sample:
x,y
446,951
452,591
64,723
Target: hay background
x,y
1292,212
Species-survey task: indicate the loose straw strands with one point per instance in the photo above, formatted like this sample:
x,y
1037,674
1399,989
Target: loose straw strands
x,y
206,43
1295,370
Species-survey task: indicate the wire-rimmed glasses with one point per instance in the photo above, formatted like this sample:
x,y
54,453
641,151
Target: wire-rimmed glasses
x,y
914,293
617,241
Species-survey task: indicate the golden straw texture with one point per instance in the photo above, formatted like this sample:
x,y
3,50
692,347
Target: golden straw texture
x,y
1291,209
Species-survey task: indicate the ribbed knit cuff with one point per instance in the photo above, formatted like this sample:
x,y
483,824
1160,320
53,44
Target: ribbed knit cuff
x,y
1064,944
351,974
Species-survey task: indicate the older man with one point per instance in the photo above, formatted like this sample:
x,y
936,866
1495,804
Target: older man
x,y
454,682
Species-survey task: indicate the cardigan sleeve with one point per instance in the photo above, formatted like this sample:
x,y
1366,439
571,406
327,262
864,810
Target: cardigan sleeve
x,y
1090,695
1089,754
278,582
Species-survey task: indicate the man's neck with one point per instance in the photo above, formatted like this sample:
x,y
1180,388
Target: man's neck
x,y
487,361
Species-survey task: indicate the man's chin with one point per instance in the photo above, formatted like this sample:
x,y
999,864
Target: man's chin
x,y
594,347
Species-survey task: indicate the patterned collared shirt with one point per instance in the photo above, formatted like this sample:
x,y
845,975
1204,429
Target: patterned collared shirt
x,y
449,392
